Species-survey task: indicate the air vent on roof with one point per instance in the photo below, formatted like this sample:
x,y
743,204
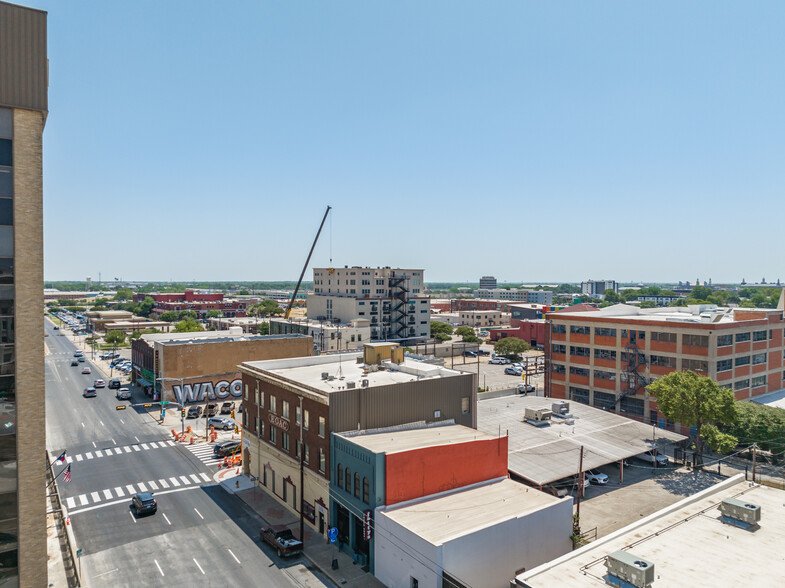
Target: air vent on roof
x,y
538,417
740,513
350,385
630,568
364,383
325,375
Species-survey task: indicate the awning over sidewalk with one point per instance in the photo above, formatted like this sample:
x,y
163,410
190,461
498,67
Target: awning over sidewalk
x,y
144,382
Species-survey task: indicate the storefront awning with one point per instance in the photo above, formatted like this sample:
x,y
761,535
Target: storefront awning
x,y
144,382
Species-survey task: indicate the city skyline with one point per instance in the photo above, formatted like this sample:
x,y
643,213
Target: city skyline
x,y
613,141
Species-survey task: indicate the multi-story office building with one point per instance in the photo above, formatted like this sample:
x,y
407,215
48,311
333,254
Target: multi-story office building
x,y
487,283
606,358
326,336
23,111
598,287
517,295
392,299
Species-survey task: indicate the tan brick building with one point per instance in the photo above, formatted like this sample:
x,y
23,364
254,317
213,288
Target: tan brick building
x,y
23,110
607,358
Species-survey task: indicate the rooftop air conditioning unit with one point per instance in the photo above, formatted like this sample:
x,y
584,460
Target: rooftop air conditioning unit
x,y
537,416
350,385
561,409
325,375
738,510
630,568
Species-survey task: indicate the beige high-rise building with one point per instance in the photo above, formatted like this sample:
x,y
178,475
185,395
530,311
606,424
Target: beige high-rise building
x,y
23,110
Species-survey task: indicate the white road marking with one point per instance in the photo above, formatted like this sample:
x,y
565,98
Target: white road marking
x,y
89,455
82,425
99,453
130,489
114,442
133,518
166,517
205,477
153,485
118,450
158,566
136,448
122,422
195,478
185,480
125,501
108,494
95,496
70,502
200,514
102,423
154,444
127,449
142,487
79,458
83,499
94,445
137,439
69,459
174,481
233,555
145,446
198,566
119,491
163,483
105,573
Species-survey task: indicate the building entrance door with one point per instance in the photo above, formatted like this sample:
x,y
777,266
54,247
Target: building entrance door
x,y
343,524
321,523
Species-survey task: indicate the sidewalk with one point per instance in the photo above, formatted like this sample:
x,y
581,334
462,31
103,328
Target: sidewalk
x,y
317,550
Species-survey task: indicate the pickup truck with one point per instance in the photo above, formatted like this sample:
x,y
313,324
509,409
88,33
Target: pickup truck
x,y
282,540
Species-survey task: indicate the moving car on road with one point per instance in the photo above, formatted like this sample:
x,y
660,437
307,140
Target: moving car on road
x,y
123,394
114,384
99,383
144,503
89,393
194,412
80,359
220,423
282,539
74,362
226,448
86,370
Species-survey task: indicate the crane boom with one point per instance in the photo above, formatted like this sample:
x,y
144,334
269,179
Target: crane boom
x,y
307,261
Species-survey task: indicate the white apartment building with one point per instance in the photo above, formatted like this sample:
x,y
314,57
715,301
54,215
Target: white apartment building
x,y
391,299
327,336
516,295
598,287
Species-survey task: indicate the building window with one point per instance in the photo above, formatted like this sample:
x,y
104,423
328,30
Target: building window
x,y
322,460
758,358
758,381
695,365
605,354
604,400
322,427
357,486
604,332
273,404
559,329
273,435
306,453
724,340
340,476
298,415
579,351
297,449
579,395
579,330
285,441
743,360
741,384
465,405
348,479
663,361
663,337
558,348
603,375
306,419
558,368
366,491
285,409
631,405
724,365
760,336
578,371
742,337
245,394
255,424
260,431
695,340
257,395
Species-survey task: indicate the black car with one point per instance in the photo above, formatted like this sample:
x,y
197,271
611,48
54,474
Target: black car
x,y
114,384
212,410
74,362
483,352
144,503
226,448
194,412
227,407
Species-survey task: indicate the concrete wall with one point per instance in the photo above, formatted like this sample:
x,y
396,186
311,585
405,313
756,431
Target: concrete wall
x,y
401,555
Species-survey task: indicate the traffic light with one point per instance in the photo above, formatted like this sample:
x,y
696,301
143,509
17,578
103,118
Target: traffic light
x,y
182,412
232,414
236,430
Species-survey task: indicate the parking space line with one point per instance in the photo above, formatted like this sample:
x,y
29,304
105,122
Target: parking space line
x,y
158,566
69,459
130,489
119,491
118,450
83,499
200,514
233,555
108,494
198,566
142,487
153,444
137,439
174,481
166,517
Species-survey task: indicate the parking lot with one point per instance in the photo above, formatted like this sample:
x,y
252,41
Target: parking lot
x,y
491,376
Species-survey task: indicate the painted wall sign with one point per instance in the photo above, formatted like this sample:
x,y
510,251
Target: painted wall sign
x,y
278,421
367,533
207,391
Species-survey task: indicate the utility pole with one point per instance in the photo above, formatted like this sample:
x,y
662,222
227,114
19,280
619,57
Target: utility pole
x,y
580,485
754,459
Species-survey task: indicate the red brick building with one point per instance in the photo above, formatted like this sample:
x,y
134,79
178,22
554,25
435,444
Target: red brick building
x,y
200,303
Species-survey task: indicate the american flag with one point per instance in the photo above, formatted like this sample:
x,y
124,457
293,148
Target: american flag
x,y
61,459
67,476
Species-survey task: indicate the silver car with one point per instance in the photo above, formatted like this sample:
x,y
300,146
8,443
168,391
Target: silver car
x,y
220,423
123,394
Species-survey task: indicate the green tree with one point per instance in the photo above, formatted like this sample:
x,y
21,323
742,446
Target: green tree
x,y
758,423
188,325
243,293
213,313
440,328
187,314
511,347
146,306
169,316
629,294
263,329
136,334
442,337
647,304
115,337
124,294
464,331
700,293
696,401
611,296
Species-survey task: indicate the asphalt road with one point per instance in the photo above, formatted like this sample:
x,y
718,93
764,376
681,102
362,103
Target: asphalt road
x,y
201,535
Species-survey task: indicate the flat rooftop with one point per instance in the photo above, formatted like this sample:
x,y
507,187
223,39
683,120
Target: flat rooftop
x,y
688,544
775,399
699,314
209,337
343,368
396,441
545,454
440,520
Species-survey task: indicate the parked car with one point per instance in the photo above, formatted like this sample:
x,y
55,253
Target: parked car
x,y
86,370
470,353
220,423
144,503
226,448
114,384
74,363
227,407
89,393
653,457
212,410
555,490
497,360
513,371
525,388
282,540
596,477
123,394
194,412
483,352
99,384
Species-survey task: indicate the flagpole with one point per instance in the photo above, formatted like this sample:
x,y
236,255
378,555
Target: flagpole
x,y
58,475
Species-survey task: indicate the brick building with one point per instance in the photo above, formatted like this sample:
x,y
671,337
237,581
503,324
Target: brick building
x,y
200,303
607,358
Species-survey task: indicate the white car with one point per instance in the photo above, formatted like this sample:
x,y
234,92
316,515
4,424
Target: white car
x,y
595,477
654,458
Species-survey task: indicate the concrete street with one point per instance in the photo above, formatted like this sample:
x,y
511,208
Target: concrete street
x,y
200,535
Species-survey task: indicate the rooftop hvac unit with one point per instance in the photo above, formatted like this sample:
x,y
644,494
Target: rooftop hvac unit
x,y
325,375
738,510
364,383
537,416
350,385
561,409
630,568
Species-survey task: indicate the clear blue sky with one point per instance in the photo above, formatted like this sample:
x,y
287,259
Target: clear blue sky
x,y
535,141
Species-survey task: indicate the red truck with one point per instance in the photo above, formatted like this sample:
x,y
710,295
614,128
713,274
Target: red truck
x,y
282,539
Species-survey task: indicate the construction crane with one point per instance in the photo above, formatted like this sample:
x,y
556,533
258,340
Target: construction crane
x,y
307,261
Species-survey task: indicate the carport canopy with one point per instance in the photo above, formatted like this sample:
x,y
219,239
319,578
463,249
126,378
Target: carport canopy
x,y
544,454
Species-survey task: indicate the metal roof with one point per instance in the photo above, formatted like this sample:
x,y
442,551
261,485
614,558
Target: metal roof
x,y
545,454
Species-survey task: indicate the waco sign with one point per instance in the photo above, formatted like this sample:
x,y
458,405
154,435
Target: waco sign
x,y
207,391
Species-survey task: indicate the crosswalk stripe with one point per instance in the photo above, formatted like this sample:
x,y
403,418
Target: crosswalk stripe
x,y
83,499
70,502
145,446
79,458
95,496
69,459
127,449
99,453
174,482
170,442
130,489
142,487
163,483
119,492
153,485
118,450
136,448
108,494
154,444
205,477
89,455
185,480
195,478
